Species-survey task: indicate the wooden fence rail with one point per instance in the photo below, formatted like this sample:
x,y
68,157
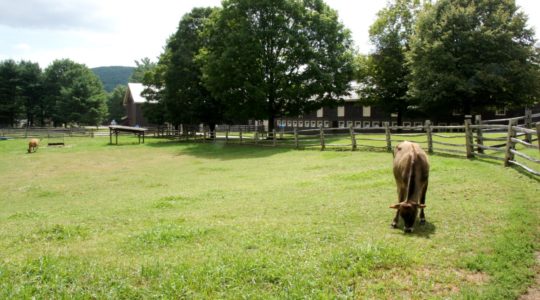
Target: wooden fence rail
x,y
471,140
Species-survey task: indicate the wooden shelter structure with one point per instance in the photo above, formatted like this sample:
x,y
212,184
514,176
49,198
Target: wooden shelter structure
x,y
116,129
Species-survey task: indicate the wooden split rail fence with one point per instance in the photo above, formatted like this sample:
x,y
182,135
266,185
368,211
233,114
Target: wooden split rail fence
x,y
510,143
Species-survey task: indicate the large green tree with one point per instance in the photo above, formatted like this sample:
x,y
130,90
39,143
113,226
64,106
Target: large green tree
x,y
267,58
468,54
385,77
30,80
74,94
185,97
142,67
10,105
115,103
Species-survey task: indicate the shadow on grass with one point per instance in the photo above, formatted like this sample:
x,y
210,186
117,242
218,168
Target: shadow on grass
x,y
220,150
424,231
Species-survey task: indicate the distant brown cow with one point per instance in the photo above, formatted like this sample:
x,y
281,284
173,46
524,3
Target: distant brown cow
x,y
411,171
33,144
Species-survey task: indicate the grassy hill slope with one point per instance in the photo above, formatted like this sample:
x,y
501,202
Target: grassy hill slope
x,y
113,76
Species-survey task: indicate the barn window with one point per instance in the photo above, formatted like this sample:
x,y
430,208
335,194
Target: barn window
x,y
289,123
313,124
367,124
300,124
417,124
376,124
295,124
319,123
341,111
407,124
326,124
341,124
349,123
320,113
357,124
366,111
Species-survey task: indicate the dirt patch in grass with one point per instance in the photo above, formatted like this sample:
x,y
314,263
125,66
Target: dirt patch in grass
x,y
534,291
447,282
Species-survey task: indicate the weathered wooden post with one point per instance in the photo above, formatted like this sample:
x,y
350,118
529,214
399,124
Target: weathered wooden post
x,y
388,136
469,139
538,135
227,134
274,137
240,129
256,136
296,138
429,133
204,135
353,138
110,135
323,145
479,134
528,124
508,155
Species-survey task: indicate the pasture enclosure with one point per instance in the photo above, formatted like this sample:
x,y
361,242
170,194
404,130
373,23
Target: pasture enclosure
x,y
509,143
192,220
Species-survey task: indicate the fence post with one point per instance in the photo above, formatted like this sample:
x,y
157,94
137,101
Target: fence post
x,y
256,136
274,137
538,134
528,124
227,134
323,146
469,139
508,156
479,134
214,135
296,137
429,136
204,135
353,138
388,136
240,129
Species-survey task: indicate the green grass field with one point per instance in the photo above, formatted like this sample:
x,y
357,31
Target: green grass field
x,y
182,220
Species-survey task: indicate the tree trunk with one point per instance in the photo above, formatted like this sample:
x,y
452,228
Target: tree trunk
x,y
212,127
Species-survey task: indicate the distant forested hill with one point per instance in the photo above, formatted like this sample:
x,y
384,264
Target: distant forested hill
x,y
113,76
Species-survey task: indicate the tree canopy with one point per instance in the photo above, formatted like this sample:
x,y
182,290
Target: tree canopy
x,y
185,97
470,54
267,58
384,80
74,94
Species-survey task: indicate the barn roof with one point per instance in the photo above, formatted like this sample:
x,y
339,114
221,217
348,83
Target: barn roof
x,y
135,89
134,92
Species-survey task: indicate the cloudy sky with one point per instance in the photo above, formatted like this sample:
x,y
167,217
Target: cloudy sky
x,y
117,32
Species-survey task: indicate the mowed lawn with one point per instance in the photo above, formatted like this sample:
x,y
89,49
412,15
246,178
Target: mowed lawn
x,y
182,220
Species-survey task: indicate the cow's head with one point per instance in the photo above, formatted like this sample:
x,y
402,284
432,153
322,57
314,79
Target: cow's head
x,y
408,212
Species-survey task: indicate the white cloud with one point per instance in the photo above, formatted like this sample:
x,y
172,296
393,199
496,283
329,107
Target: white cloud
x,y
117,32
22,47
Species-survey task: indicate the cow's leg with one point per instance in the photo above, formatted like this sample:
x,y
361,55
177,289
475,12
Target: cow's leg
x,y
396,219
423,201
401,198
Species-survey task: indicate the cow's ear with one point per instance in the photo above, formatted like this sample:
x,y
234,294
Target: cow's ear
x,y
422,205
395,206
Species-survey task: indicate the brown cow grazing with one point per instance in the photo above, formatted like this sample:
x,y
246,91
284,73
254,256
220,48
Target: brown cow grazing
x,y
411,171
33,144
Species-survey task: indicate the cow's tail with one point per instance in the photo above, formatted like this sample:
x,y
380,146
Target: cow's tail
x,y
411,178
